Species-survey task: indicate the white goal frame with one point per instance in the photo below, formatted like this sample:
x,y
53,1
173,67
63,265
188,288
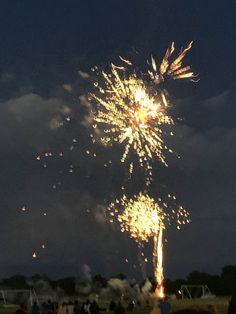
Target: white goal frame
x,y
32,296
204,291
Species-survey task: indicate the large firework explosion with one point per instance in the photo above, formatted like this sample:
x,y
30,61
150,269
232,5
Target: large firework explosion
x,y
131,108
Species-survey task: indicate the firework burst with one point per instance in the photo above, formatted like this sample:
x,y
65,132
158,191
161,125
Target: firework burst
x,y
171,69
144,218
132,109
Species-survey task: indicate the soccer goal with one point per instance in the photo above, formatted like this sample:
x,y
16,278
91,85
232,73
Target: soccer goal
x,y
196,292
9,297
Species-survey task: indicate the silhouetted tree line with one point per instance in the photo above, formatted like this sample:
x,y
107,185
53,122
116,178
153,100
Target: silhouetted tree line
x,y
220,285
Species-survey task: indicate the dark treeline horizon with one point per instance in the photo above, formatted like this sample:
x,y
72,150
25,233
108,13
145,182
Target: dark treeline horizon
x,y
220,284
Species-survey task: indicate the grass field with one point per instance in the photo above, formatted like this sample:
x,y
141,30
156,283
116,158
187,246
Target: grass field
x,y
10,310
219,304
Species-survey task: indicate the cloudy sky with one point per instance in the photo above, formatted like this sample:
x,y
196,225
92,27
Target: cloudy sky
x,y
47,51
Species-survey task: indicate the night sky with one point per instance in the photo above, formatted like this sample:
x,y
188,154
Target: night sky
x,y
47,51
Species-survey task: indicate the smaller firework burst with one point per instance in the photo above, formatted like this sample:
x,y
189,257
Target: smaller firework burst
x,y
171,69
144,218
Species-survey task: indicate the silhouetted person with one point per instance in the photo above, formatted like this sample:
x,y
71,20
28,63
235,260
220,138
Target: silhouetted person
x,y
94,308
50,307
119,309
112,306
70,307
35,308
44,308
87,307
63,308
232,305
56,307
165,306
21,310
76,307
130,306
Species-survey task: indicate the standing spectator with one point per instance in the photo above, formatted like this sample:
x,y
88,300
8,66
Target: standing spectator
x,y
56,307
76,307
94,308
44,308
165,306
232,305
130,306
112,306
63,309
87,307
70,306
119,309
35,308
50,307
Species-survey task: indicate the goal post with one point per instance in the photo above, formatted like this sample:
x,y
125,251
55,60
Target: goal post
x,y
17,296
196,292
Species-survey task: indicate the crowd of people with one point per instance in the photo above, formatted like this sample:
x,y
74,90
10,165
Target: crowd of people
x,y
84,308
160,307
64,308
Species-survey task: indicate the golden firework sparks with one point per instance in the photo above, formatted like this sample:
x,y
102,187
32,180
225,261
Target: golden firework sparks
x,y
132,115
132,109
143,218
172,69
